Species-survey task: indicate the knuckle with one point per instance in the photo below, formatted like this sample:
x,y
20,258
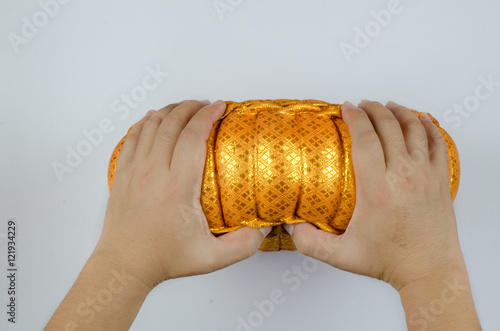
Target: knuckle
x,y
419,155
141,179
175,118
191,103
372,104
390,123
170,105
375,163
438,137
368,138
420,152
439,142
153,121
414,124
134,133
166,135
403,109
254,247
167,109
382,193
162,112
444,153
360,115
246,236
251,243
396,146
253,240
191,134
209,262
304,246
432,130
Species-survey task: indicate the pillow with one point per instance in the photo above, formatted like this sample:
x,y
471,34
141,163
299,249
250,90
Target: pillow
x,y
271,162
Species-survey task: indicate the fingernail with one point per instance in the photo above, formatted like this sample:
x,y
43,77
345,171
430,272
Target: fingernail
x,y
425,117
364,101
288,228
265,231
149,113
391,104
218,102
348,105
207,102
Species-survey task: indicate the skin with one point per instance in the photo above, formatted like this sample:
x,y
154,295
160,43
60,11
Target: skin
x,y
403,230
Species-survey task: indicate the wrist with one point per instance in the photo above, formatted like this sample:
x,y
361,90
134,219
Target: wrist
x,y
106,295
440,300
115,262
133,255
422,267
437,280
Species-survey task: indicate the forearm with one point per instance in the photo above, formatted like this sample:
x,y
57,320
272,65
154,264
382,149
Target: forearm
x,y
104,297
442,301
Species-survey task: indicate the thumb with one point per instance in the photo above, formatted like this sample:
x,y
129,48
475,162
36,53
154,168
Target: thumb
x,y
238,245
317,243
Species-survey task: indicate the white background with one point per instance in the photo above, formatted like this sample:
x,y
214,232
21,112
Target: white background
x,y
65,78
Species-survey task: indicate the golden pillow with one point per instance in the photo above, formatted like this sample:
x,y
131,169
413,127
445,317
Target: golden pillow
x,y
271,162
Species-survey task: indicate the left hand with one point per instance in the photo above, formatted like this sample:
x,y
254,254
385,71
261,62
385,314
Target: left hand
x,y
154,223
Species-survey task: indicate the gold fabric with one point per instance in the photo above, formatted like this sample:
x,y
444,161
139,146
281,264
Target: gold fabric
x,y
271,162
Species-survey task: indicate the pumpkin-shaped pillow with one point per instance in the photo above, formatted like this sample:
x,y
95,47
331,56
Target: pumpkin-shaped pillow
x,y
271,162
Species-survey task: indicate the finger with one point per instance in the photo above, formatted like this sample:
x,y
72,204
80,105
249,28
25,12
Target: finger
x,y
170,128
168,108
237,245
190,152
317,243
388,130
127,152
414,132
150,129
367,153
438,151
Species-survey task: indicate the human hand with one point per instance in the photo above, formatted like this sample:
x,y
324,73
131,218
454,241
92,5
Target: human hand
x,y
154,223
403,227
154,229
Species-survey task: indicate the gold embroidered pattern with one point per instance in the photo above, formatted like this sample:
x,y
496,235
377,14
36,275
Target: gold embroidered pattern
x,y
271,162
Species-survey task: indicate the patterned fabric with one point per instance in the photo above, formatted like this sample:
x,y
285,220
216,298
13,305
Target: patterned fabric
x,y
271,162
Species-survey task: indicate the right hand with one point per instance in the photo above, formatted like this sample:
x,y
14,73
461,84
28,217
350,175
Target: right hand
x,y
403,227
